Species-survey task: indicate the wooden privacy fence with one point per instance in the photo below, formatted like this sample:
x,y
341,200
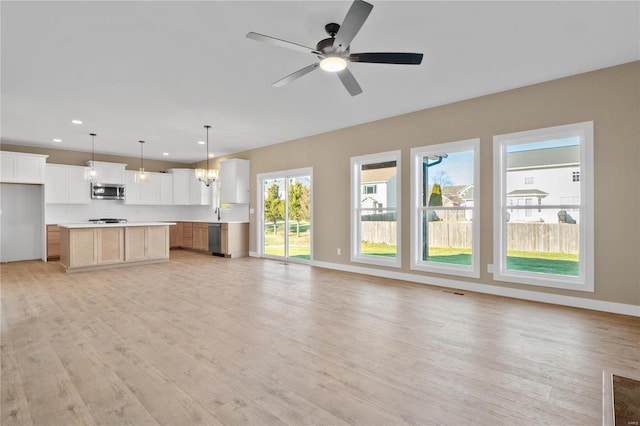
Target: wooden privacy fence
x,y
543,237
533,236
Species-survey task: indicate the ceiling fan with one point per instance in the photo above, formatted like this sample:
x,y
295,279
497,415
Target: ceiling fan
x,y
334,51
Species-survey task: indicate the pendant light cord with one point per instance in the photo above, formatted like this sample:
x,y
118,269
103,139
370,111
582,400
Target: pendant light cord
x,y
93,150
141,163
207,127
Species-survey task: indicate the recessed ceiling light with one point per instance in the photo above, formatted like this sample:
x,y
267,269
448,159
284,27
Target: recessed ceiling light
x,y
57,140
76,121
165,153
211,155
201,142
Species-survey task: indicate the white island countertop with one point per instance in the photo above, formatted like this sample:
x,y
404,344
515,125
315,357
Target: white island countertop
x,y
112,225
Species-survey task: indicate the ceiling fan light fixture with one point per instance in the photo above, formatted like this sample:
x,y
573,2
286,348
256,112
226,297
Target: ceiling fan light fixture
x,y
333,64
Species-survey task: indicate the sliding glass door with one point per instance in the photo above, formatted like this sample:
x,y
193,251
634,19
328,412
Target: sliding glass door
x,y
285,205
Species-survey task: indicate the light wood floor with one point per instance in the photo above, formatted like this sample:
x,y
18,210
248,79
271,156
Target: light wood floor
x,y
206,340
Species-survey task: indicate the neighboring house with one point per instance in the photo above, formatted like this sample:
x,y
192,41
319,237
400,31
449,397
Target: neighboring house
x,y
540,177
458,196
378,188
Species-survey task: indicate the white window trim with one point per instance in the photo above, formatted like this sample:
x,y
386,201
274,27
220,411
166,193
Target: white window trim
x,y
356,256
585,279
417,154
285,174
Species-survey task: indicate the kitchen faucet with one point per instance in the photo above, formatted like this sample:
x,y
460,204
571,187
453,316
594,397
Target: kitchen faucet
x,y
218,212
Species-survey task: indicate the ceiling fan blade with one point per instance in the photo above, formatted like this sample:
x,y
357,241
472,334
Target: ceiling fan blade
x,y
387,58
357,14
349,82
296,75
281,43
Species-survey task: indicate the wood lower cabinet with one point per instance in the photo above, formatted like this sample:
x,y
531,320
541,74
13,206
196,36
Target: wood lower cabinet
x,y
175,235
110,245
157,242
146,243
201,236
90,248
235,239
78,247
187,234
195,236
53,242
136,245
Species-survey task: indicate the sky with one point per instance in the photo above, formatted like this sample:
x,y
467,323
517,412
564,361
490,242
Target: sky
x,y
459,165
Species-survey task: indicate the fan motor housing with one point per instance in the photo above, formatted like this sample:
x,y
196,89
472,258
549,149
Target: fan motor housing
x,y
326,45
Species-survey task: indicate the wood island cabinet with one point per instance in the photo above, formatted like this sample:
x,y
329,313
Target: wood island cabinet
x,y
91,247
146,243
110,245
97,247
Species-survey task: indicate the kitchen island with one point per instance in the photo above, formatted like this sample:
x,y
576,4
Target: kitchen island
x,y
89,246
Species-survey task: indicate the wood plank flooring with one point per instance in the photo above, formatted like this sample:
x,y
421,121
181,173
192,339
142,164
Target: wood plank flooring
x,y
208,340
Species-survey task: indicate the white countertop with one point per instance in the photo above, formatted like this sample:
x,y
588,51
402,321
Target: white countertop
x,y
213,221
112,225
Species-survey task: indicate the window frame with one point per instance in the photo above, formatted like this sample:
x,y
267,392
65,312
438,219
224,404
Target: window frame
x,y
356,192
585,279
417,263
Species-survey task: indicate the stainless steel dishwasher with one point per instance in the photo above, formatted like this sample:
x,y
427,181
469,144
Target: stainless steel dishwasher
x,y
215,238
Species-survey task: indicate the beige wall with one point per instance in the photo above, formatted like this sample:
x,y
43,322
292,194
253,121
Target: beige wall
x,y
77,158
609,97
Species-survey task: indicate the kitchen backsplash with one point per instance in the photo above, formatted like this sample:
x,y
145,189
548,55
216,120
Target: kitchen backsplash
x,y
67,213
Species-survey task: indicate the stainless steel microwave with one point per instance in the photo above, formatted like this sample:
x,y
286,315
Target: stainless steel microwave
x,y
106,191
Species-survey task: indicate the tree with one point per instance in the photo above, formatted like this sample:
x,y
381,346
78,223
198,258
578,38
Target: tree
x,y
442,178
273,206
299,200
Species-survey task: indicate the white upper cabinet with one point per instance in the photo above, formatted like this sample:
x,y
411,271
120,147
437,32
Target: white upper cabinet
x,y
66,185
180,186
188,190
234,181
158,190
166,188
131,189
18,167
150,191
113,173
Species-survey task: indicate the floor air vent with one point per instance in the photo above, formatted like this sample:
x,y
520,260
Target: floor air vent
x,y
453,292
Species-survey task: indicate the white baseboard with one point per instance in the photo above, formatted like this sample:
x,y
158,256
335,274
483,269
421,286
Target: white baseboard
x,y
253,254
555,299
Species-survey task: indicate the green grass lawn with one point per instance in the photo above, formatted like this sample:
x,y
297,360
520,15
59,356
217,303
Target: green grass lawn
x,y
378,249
547,263
299,246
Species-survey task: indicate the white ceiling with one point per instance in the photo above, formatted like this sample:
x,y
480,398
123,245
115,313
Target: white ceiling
x,y
159,71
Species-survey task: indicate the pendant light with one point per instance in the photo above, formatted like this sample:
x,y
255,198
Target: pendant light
x,y
91,173
208,175
141,176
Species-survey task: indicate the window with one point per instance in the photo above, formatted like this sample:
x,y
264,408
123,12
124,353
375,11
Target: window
x,y
445,222
549,241
369,189
528,180
375,213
